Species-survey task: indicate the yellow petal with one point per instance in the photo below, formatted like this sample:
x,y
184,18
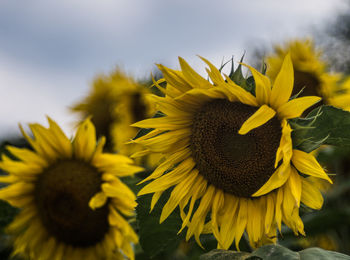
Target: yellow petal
x,y
194,98
98,200
197,223
214,73
85,141
307,164
16,190
295,107
262,86
43,138
195,80
99,147
294,183
164,123
254,224
27,155
270,212
278,212
241,220
278,178
174,78
37,146
198,190
285,150
310,195
283,85
260,117
61,139
155,198
168,163
227,222
170,179
168,141
8,179
218,202
239,93
178,193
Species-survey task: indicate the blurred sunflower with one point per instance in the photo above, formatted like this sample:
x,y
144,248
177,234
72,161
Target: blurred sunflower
x,y
310,75
324,241
115,102
71,197
232,152
133,106
342,96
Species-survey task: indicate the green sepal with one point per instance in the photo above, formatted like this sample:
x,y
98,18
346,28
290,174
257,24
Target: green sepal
x,y
323,125
236,75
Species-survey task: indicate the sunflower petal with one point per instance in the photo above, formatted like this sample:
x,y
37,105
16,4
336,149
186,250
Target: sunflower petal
x,y
195,80
214,73
260,117
241,220
307,164
98,200
278,178
178,193
239,93
295,107
310,195
262,86
283,85
85,141
270,212
294,183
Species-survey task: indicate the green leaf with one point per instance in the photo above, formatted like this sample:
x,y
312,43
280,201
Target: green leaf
x,y
275,252
324,125
156,238
320,254
219,254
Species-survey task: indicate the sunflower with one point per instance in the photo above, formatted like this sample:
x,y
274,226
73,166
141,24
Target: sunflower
x,y
310,75
342,95
231,152
133,106
71,198
114,102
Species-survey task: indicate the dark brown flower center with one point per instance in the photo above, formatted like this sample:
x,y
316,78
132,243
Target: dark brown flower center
x,y
237,164
307,81
103,118
138,107
62,196
310,85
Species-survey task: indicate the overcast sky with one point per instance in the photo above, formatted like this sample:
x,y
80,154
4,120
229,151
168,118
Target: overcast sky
x,y
50,50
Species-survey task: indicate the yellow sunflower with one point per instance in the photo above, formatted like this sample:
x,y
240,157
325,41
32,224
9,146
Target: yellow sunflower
x,y
310,75
114,102
232,152
71,197
133,106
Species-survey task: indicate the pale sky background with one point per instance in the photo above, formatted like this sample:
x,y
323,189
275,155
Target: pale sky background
x,y
50,50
